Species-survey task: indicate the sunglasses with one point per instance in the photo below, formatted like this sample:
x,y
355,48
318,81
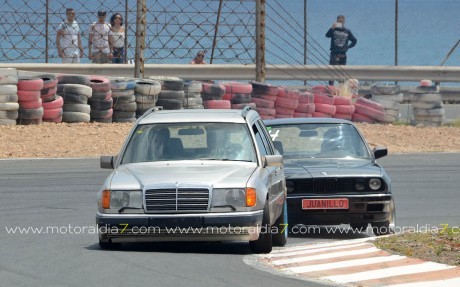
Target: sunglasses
x,y
70,13
201,55
101,15
118,17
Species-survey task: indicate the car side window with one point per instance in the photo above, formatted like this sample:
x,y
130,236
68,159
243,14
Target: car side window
x,y
267,141
260,140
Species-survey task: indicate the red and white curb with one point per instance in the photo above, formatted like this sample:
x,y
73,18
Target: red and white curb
x,y
358,262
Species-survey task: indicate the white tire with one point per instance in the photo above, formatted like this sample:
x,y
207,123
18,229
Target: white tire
x,y
385,89
427,105
148,87
8,76
426,98
9,106
429,112
192,87
424,90
392,113
388,104
8,89
12,98
395,98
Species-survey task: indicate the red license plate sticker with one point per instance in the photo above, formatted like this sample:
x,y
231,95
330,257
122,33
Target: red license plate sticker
x,y
336,203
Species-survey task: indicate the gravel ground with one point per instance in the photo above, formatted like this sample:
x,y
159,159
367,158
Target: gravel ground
x,y
94,139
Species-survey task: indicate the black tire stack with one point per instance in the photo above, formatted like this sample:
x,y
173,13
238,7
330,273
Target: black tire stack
x,y
212,95
172,93
427,105
146,94
30,103
8,96
390,97
51,102
101,100
264,96
239,95
75,90
192,100
124,101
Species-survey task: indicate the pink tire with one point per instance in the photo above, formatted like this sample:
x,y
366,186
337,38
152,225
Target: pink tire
x,y
320,89
290,94
333,90
320,115
344,109
323,99
242,106
54,120
268,97
217,104
28,96
227,97
99,84
262,103
283,116
284,111
52,113
325,109
30,84
300,115
57,103
267,112
306,97
342,116
369,112
264,89
305,108
286,103
342,101
361,118
31,104
371,104
49,95
237,88
213,89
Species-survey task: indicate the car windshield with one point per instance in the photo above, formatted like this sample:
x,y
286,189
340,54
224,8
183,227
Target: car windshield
x,y
318,140
190,141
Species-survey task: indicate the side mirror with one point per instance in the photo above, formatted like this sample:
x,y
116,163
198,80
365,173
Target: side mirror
x,y
380,152
106,161
272,160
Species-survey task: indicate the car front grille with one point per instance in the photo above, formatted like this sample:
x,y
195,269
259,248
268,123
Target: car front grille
x,y
324,185
177,200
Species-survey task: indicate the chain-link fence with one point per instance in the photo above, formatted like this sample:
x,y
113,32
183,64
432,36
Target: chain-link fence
x,y
389,32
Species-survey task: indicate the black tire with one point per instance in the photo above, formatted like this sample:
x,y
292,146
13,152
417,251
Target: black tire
x,y
47,79
241,99
124,99
63,89
171,95
29,121
174,85
74,98
125,107
101,96
169,104
30,114
75,117
385,89
143,99
127,120
74,79
106,120
280,237
122,84
11,98
210,97
100,114
123,115
359,227
386,227
148,87
101,105
264,244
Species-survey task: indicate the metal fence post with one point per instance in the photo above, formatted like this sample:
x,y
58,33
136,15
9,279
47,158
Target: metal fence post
x,y
47,32
140,39
260,40
214,42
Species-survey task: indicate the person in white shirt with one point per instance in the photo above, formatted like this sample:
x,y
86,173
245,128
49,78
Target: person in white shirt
x,y
117,33
100,44
68,39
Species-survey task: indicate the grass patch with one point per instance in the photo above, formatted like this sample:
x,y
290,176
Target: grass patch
x,y
456,123
442,246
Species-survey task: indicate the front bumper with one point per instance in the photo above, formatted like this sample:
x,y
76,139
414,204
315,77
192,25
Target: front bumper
x,y
362,209
179,227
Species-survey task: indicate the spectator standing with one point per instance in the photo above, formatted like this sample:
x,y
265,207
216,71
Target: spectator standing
x,y
68,39
199,58
341,40
117,33
100,44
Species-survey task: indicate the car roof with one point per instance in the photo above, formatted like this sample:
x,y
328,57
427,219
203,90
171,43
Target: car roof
x,y
291,121
199,115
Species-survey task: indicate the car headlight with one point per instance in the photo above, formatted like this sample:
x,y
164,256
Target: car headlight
x,y
375,183
235,197
360,184
290,186
123,198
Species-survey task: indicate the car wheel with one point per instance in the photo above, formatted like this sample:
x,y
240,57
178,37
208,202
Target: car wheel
x,y
386,227
359,227
264,243
280,237
108,245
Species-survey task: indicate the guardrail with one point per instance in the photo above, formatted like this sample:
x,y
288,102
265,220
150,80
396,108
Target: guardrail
x,y
248,72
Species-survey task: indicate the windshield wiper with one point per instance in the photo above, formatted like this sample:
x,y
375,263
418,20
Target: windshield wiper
x,y
128,207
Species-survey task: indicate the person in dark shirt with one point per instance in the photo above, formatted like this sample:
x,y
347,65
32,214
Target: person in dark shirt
x,y
341,40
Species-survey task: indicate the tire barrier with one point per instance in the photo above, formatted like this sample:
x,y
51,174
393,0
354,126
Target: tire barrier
x,y
192,91
101,101
171,95
212,95
52,104
264,97
30,103
239,95
146,95
390,97
344,108
427,104
319,98
124,101
286,102
8,97
306,105
368,111
75,97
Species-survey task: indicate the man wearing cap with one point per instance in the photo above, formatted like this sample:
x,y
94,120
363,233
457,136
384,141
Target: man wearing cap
x,y
100,43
